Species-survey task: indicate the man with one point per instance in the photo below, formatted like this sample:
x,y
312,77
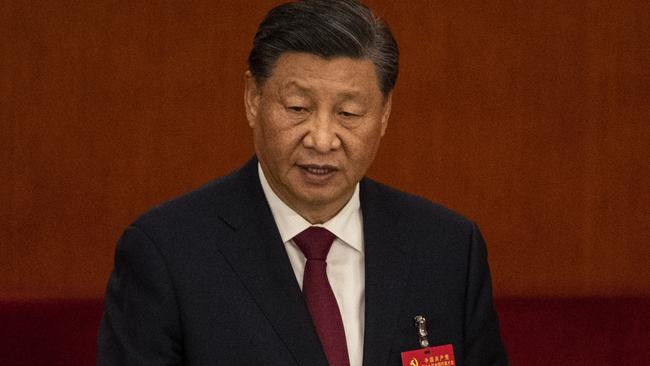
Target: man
x,y
297,259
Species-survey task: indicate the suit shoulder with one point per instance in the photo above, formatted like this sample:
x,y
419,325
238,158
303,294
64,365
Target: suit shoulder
x,y
192,210
413,208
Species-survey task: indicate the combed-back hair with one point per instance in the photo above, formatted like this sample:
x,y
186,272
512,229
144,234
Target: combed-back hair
x,y
329,29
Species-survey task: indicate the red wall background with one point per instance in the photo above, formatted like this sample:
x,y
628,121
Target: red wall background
x,y
529,117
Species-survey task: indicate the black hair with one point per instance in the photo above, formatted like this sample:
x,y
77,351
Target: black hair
x,y
329,29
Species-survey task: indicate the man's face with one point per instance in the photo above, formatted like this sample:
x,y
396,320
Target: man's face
x,y
316,124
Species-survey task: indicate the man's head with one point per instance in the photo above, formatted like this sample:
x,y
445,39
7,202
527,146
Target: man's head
x,y
318,97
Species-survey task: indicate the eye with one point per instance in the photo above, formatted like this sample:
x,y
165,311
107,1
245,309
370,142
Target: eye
x,y
297,109
348,114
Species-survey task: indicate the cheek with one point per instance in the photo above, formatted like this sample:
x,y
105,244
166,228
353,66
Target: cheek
x,y
365,142
279,139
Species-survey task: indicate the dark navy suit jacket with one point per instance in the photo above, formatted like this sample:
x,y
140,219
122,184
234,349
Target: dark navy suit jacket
x,y
204,279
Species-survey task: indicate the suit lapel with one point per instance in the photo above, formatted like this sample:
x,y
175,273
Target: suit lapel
x,y
387,268
257,254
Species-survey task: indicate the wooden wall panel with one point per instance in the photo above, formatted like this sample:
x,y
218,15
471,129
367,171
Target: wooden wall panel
x,y
529,117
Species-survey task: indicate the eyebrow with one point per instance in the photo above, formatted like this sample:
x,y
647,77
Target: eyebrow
x,y
346,95
293,85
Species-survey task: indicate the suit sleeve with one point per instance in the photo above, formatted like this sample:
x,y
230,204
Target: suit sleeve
x,y
141,322
483,345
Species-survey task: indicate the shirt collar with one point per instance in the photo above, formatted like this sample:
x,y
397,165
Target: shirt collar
x,y
346,224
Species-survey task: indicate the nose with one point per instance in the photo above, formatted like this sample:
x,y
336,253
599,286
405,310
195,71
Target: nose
x,y
322,136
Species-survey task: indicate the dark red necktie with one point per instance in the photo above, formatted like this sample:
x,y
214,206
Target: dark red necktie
x,y
315,243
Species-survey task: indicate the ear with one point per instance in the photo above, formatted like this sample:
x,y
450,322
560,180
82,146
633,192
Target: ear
x,y
388,104
251,98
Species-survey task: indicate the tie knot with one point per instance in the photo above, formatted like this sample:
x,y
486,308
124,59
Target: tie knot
x,y
315,242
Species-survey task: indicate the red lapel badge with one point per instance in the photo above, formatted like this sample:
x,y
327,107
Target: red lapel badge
x,y
430,356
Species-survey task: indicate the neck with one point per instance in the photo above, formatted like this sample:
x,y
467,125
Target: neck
x,y
319,216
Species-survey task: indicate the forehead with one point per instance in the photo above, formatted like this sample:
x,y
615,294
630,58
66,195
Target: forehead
x,y
304,72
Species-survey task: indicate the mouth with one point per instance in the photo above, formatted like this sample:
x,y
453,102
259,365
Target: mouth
x,y
317,169
317,174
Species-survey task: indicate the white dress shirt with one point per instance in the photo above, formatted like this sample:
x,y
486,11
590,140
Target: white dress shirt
x,y
345,260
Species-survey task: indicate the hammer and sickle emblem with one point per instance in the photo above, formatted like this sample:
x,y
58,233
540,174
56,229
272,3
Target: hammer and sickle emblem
x,y
414,362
